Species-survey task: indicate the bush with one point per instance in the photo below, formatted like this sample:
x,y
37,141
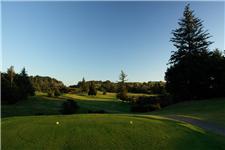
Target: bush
x,y
145,108
50,93
92,89
57,92
104,93
122,95
150,103
69,107
132,99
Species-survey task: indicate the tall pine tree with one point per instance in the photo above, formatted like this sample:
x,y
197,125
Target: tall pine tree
x,y
122,89
188,75
190,38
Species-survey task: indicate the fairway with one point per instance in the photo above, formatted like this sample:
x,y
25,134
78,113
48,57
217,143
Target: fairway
x,y
104,132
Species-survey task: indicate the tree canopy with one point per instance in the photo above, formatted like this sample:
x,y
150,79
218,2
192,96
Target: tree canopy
x,y
193,69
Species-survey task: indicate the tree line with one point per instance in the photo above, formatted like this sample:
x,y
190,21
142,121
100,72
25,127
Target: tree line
x,y
48,85
15,86
151,87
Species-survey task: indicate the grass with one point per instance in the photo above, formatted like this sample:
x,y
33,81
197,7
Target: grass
x,y
107,97
212,110
104,132
99,102
107,131
99,96
43,105
36,105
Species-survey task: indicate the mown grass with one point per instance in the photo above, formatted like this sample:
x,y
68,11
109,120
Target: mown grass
x,y
99,102
43,105
212,110
104,132
107,96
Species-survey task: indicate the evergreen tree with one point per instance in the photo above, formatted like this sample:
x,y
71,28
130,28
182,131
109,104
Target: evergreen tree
x,y
24,82
188,76
15,87
122,89
190,38
83,86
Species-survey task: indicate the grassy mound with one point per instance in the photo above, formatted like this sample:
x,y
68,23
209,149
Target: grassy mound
x,y
212,110
104,132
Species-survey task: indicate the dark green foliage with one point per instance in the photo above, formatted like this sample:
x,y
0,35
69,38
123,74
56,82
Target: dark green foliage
x,y
108,86
64,89
23,81
150,103
145,107
122,92
190,38
156,87
57,92
122,89
83,86
92,89
48,85
195,73
15,87
104,92
50,93
69,107
146,104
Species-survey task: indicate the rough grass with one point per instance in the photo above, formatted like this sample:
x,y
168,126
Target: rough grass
x,y
212,110
104,132
36,105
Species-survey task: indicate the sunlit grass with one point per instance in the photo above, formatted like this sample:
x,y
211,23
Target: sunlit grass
x,y
104,132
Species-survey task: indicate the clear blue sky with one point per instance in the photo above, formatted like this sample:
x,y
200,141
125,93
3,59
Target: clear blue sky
x,y
95,40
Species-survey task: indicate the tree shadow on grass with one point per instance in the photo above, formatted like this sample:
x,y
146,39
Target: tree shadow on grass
x,y
35,105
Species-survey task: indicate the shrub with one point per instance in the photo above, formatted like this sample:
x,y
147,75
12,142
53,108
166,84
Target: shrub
x,y
122,94
69,107
145,108
150,103
57,92
50,93
104,93
132,99
92,89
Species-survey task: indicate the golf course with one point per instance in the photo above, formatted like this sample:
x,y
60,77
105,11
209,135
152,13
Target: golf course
x,y
112,75
34,121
